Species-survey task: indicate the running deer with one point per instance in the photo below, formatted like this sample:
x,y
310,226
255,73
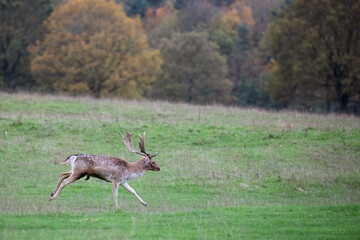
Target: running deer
x,y
110,169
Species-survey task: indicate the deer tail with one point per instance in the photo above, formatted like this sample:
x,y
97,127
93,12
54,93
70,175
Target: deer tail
x,y
70,159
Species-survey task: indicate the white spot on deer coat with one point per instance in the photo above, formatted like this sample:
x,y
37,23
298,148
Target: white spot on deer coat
x,y
72,161
135,175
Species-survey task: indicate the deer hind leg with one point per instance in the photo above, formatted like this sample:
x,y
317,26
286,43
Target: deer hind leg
x,y
128,188
62,177
72,178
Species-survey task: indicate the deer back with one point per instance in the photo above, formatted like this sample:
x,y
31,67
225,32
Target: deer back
x,y
105,168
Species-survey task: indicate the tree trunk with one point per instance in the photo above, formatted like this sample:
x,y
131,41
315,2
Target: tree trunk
x,y
190,90
344,103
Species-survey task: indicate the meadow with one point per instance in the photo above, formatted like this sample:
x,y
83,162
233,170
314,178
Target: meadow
x,y
226,172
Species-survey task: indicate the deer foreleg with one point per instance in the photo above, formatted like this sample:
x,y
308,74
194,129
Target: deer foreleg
x,y
132,191
115,193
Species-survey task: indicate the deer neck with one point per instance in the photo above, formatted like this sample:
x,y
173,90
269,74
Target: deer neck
x,y
137,169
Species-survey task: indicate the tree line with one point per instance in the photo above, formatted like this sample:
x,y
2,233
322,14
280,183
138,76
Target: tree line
x,y
268,53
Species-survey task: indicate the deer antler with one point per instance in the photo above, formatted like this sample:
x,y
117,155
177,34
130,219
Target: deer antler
x,y
142,146
142,143
130,147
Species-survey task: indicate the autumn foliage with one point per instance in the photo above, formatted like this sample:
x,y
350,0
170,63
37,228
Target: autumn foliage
x,y
20,26
296,54
223,27
194,71
317,47
93,47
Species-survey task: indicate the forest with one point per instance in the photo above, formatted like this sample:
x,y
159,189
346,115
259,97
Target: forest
x,y
275,54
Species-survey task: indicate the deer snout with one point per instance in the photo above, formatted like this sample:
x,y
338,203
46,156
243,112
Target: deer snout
x,y
154,167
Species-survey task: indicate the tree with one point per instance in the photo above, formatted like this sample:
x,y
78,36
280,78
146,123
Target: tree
x,y
160,23
134,7
261,12
20,24
181,3
92,47
139,7
196,15
223,28
317,48
231,30
194,71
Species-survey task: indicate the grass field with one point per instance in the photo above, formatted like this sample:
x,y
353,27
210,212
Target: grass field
x,y
226,173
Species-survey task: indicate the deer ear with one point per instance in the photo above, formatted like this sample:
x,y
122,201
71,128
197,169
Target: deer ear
x,y
147,160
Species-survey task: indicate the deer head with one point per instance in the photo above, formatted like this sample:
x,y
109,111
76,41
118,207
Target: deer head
x,y
148,158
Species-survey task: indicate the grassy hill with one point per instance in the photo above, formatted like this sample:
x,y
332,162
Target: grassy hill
x,y
226,173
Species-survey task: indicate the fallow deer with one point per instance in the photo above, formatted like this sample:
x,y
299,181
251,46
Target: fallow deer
x,y
110,169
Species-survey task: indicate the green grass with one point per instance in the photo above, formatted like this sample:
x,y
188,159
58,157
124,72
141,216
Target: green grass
x,y
326,222
226,173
